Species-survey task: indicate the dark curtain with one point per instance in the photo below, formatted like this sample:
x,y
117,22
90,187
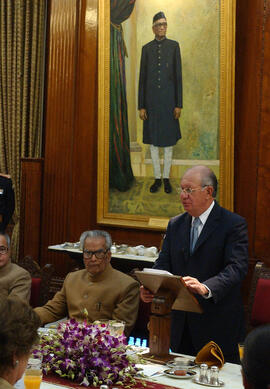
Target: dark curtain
x,y
121,175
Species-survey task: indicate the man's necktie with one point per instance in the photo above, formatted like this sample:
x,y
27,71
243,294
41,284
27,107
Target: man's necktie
x,y
194,233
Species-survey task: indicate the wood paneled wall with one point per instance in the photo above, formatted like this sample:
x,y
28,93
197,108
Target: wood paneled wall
x,y
71,125
70,151
252,128
31,199
70,141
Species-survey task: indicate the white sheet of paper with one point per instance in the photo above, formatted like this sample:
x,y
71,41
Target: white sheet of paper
x,y
156,271
151,370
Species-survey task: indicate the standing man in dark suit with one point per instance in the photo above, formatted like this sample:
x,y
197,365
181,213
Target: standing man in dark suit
x,y
160,98
208,246
7,201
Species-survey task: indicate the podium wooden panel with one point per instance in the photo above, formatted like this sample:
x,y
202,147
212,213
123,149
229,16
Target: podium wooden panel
x,y
158,326
170,292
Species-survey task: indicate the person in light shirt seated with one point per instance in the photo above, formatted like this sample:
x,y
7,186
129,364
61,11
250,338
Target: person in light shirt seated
x,y
18,333
256,359
96,292
14,280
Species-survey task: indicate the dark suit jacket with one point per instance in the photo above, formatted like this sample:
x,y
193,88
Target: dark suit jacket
x,y
220,261
7,201
160,91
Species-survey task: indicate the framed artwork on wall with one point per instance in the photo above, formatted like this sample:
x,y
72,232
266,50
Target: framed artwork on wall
x,y
205,33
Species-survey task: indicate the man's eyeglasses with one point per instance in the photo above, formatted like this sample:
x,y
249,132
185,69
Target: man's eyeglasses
x,y
159,25
99,254
189,191
3,250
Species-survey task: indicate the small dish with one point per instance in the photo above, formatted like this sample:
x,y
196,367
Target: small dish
x,y
196,380
188,373
185,364
67,245
77,245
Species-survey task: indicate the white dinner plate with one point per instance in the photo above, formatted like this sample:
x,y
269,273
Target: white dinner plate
x,y
170,373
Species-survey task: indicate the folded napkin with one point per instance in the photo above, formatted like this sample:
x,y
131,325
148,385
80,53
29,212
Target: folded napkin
x,y
210,354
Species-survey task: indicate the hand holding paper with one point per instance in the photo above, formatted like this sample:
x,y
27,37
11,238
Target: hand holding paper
x,y
195,286
155,280
146,295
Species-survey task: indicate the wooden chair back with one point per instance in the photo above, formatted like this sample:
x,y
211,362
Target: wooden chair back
x,y
259,298
42,287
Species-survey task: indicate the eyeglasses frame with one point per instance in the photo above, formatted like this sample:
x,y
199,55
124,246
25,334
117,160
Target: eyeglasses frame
x,y
3,250
91,253
159,25
191,190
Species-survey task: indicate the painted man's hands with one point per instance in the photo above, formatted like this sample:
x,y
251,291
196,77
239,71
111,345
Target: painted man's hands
x,y
177,112
143,114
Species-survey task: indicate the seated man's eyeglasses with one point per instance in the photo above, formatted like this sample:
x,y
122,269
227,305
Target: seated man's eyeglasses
x,y
3,249
189,191
99,254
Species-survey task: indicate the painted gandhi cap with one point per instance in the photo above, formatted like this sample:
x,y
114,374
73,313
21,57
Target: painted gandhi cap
x,y
159,15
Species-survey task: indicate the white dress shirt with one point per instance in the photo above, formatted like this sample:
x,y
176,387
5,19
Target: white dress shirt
x,y
203,217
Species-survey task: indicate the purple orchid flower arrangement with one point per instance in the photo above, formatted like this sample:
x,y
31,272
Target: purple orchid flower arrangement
x,y
87,354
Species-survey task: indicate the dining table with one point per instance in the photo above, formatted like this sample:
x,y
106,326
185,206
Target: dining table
x,y
230,375
156,378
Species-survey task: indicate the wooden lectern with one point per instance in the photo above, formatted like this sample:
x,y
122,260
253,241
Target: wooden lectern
x,y
170,293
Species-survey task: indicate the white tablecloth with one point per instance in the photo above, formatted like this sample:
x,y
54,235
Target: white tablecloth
x,y
230,374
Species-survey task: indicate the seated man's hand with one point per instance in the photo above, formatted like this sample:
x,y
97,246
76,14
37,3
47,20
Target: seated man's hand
x,y
195,286
146,295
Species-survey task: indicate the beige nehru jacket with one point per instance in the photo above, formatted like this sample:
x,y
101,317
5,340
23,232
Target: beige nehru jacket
x,y
15,281
109,295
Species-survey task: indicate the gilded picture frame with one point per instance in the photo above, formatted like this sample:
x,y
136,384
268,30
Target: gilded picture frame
x,y
226,64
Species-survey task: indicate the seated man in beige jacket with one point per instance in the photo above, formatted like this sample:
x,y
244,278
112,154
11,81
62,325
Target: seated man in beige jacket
x,y
14,280
99,290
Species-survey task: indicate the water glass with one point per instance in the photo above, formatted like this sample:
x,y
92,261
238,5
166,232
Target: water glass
x,y
116,327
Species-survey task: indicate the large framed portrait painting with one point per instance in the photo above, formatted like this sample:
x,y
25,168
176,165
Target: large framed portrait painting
x,y
193,71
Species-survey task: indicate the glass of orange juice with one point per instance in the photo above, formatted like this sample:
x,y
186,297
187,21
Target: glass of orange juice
x,y
33,374
241,350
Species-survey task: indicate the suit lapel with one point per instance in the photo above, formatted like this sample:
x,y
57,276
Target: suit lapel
x,y
185,235
210,225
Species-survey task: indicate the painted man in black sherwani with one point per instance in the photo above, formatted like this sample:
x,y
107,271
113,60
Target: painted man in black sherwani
x,y
160,98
